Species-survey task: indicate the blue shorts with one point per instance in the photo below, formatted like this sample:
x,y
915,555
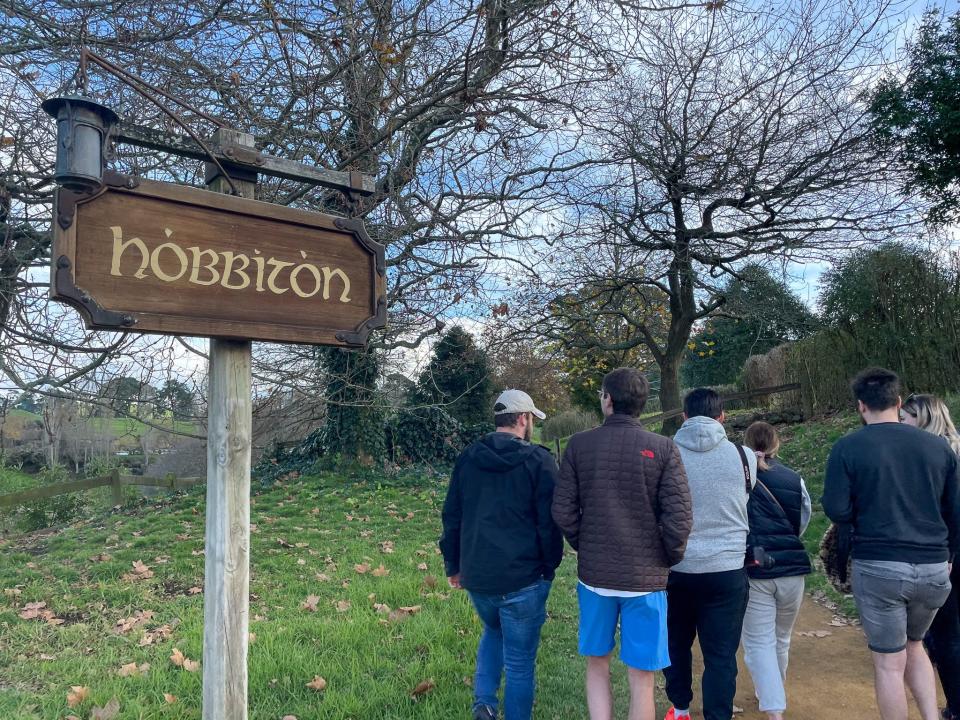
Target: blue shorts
x,y
643,627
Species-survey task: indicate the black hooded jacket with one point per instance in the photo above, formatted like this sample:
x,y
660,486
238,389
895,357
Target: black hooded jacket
x,y
497,530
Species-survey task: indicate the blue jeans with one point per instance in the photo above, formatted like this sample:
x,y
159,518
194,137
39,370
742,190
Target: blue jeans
x,y
508,645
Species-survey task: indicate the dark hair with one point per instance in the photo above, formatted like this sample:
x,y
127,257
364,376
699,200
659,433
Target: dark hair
x,y
877,388
628,390
502,419
703,402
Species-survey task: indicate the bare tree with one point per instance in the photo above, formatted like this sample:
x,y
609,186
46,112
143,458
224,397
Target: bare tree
x,y
732,134
454,107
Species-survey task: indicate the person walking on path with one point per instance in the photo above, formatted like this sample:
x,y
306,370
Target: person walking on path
x,y
931,414
623,504
500,543
779,512
898,486
707,591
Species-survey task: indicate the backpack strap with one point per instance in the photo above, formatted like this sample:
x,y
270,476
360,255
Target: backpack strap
x,y
746,468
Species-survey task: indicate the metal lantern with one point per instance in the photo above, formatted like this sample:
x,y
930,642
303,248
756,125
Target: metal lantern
x,y
82,128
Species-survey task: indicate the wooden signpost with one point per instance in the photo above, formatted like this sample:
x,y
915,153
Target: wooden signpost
x,y
141,256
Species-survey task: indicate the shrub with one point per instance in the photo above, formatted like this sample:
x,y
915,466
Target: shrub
x,y
567,423
424,435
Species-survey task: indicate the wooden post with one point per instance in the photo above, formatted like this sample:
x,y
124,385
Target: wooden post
x,y
116,491
227,572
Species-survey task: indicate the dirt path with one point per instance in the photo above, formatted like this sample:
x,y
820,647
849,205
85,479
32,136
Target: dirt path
x,y
829,677
826,674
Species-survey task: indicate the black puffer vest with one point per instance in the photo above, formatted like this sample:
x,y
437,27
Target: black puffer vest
x,y
777,528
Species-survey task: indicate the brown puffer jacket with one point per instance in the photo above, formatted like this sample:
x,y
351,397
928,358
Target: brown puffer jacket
x,y
624,505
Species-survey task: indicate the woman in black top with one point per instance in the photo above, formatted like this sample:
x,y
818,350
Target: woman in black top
x,y
930,413
778,510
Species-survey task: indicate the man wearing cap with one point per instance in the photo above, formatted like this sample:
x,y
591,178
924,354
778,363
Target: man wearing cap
x,y
500,544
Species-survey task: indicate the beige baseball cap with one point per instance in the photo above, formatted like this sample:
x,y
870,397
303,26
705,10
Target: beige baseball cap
x,y
516,401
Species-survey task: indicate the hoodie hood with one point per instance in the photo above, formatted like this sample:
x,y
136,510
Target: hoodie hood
x,y
700,434
500,452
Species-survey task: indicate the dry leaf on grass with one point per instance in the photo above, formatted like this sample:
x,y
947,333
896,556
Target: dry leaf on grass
x,y
169,699
318,684
283,543
181,660
382,608
157,635
39,611
430,581
343,605
289,717
133,670
380,571
140,617
140,572
322,577
195,590
422,688
386,546
362,568
77,696
107,712
310,603
423,566
402,613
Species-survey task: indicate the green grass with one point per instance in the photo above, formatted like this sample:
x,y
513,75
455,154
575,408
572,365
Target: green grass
x,y
370,662
12,480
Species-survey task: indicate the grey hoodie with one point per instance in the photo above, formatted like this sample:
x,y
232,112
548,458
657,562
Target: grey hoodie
x,y
718,540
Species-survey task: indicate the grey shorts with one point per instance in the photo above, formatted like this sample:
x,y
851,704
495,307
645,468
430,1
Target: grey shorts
x,y
897,601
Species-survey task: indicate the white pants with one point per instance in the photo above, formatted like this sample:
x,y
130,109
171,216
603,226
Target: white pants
x,y
771,612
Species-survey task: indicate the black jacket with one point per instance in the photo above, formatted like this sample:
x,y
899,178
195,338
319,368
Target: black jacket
x,y
898,486
497,530
776,527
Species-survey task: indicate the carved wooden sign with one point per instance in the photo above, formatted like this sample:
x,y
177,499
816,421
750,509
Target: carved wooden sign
x,y
155,257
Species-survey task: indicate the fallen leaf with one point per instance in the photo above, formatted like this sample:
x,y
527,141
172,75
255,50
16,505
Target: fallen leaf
x,y
107,712
77,696
102,557
381,608
430,581
380,571
310,603
125,625
362,568
133,670
422,688
318,684
170,699
251,637
386,546
191,665
283,543
140,572
423,566
12,592
177,657
289,717
322,577
343,605
195,590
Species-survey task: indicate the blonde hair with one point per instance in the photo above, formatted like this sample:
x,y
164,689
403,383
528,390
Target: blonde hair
x,y
933,416
762,438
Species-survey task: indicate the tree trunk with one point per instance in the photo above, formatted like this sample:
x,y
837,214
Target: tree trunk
x,y
670,393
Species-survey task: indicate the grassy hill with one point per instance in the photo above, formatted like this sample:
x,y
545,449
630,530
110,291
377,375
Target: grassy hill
x,y
344,546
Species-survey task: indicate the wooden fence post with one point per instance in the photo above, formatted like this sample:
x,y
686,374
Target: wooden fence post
x,y
116,490
227,570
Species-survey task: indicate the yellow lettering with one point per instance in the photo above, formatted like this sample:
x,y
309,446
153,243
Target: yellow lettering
x,y
119,246
155,262
258,261
228,270
317,280
278,265
198,266
328,276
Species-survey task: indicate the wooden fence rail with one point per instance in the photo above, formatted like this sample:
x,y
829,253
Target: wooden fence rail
x,y
115,481
746,394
